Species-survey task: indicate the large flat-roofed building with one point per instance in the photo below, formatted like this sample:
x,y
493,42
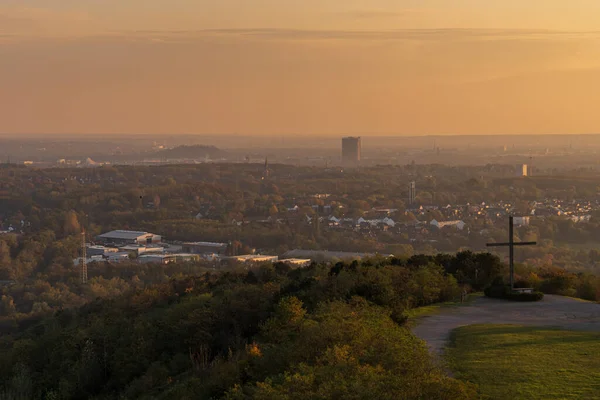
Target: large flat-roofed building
x,y
205,248
128,237
325,255
166,258
99,250
139,250
297,262
351,150
252,259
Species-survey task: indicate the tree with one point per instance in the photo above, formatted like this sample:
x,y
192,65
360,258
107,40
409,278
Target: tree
x,y
71,225
5,262
156,201
7,305
273,210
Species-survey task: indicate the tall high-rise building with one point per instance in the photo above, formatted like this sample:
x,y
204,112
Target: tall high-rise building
x,y
412,193
351,150
523,170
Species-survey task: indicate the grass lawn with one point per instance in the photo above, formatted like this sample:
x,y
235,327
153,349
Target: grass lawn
x,y
517,362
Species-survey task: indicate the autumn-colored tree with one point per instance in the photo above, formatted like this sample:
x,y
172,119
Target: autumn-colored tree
x,y
71,225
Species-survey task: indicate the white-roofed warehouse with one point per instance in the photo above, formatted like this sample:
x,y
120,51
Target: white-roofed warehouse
x,y
128,237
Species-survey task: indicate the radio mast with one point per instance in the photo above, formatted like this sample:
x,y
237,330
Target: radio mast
x,y
84,271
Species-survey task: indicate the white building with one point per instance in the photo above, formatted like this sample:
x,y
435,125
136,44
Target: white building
x,y
374,222
580,218
460,225
521,221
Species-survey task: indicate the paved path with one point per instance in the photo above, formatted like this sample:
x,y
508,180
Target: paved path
x,y
555,311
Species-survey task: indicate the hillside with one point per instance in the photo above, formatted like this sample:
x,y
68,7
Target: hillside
x,y
275,333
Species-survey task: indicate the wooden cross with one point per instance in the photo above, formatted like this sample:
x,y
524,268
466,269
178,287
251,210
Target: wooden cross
x,y
511,246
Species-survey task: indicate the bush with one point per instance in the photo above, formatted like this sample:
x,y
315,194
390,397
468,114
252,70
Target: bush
x,y
504,292
535,296
497,291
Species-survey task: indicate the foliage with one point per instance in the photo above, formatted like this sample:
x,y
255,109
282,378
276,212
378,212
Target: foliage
x,y
251,334
535,296
501,291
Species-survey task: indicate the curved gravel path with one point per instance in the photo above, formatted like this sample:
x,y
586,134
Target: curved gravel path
x,y
554,311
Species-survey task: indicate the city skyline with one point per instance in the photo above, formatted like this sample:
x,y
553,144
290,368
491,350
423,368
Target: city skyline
x,y
284,68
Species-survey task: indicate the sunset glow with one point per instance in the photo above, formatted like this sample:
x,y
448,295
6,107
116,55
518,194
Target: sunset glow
x,y
285,67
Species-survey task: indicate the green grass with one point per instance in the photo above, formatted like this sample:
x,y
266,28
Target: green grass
x,y
517,362
420,312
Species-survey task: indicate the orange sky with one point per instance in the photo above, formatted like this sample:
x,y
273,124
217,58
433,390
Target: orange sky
x,y
280,67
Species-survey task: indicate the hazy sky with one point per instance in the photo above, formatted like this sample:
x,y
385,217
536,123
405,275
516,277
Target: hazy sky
x,y
280,67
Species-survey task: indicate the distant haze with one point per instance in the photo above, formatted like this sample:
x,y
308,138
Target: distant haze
x,y
283,67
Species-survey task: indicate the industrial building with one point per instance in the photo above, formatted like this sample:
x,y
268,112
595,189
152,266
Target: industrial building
x,y
139,250
166,258
205,248
252,259
325,255
99,250
297,262
121,238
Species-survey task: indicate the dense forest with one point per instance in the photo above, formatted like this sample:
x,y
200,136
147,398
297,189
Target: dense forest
x,y
327,331
257,334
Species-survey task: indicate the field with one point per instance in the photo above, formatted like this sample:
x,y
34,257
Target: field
x,y
523,362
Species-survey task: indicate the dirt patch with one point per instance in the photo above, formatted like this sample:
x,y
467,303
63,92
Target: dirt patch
x,y
554,311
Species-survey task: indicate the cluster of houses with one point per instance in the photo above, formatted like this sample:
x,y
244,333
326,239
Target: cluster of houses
x,y
425,223
577,211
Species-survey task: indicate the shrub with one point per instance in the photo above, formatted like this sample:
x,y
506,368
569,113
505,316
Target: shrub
x,y
497,291
535,296
504,292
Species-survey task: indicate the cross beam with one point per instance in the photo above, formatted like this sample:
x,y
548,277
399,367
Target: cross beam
x,y
511,246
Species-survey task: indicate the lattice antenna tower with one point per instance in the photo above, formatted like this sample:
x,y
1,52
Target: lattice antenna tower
x,y
84,271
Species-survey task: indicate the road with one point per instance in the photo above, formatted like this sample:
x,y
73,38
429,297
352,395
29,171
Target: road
x,y
555,311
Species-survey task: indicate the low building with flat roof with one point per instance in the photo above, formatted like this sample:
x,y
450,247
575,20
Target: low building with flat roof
x,y
167,258
99,250
139,250
297,262
128,237
117,257
252,259
325,255
205,248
